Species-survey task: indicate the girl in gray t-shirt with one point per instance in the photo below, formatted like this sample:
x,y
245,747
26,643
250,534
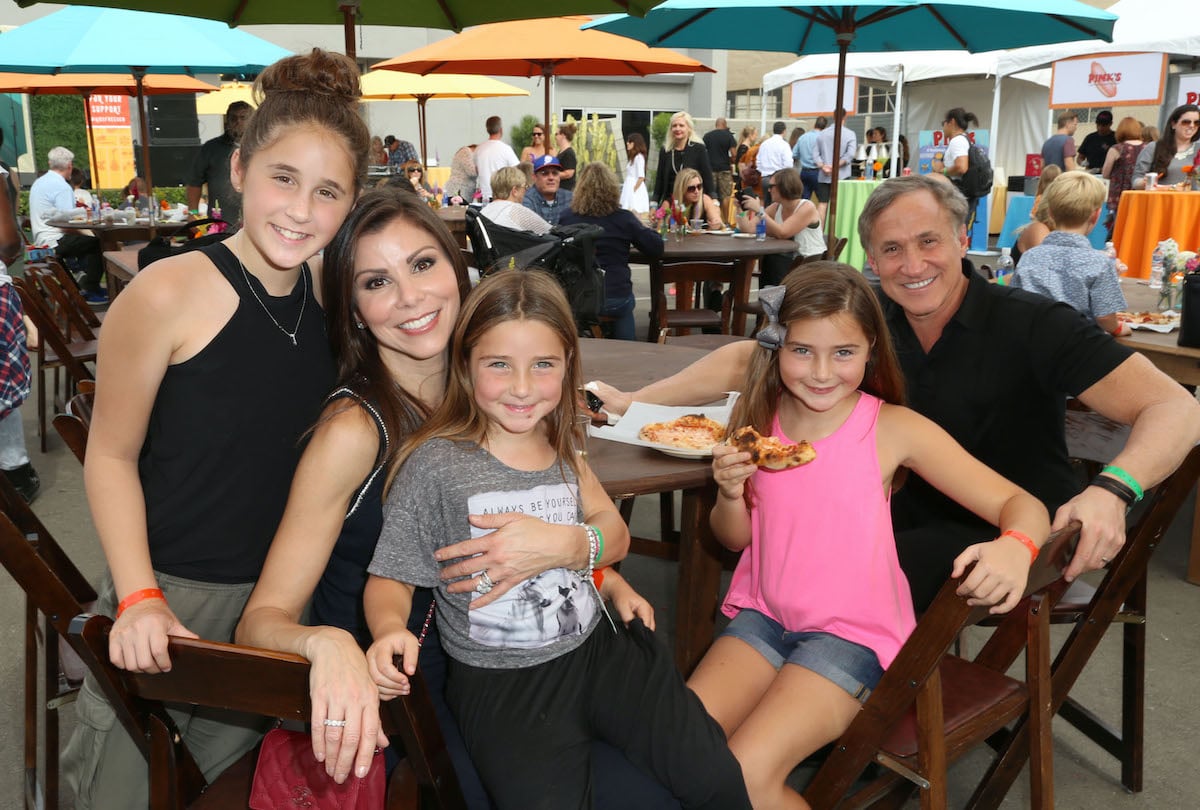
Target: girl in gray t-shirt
x,y
534,674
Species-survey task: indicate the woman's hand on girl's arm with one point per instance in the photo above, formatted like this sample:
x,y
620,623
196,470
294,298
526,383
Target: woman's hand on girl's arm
x,y
730,518
629,603
342,688
520,547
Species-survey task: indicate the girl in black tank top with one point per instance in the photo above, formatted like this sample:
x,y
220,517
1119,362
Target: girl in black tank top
x,y
208,383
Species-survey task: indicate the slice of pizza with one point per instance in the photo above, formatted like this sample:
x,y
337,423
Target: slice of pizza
x,y
693,431
769,452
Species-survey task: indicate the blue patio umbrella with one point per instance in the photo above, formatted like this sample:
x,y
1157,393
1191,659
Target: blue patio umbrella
x,y
95,40
805,28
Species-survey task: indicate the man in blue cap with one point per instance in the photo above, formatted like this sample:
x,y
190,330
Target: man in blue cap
x,y
548,200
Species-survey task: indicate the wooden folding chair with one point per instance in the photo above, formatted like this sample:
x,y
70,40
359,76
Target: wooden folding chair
x,y
55,589
71,319
684,276
1122,591
94,318
836,246
930,707
246,679
73,423
55,353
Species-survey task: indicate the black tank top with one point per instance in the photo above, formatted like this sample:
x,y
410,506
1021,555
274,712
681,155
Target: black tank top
x,y
225,432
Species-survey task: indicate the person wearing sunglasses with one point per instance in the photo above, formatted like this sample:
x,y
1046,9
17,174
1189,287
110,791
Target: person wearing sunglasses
x,y
539,147
790,216
415,174
695,204
1174,150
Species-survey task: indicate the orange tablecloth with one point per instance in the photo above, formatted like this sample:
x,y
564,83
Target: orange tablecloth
x,y
1145,218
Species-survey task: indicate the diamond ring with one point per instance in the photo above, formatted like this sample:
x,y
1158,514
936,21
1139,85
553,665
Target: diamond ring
x,y
334,723
485,583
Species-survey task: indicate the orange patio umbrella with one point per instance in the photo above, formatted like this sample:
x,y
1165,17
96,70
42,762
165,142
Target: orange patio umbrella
x,y
548,47
87,84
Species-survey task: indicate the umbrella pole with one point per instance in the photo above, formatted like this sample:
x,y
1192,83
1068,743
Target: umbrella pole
x,y
87,111
421,126
139,75
844,39
348,9
547,76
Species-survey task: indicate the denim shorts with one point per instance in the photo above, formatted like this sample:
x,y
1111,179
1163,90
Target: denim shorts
x,y
851,666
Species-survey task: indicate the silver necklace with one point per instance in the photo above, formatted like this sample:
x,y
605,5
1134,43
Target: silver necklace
x,y
675,168
278,325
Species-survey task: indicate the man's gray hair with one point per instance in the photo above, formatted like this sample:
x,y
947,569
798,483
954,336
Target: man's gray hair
x,y
948,198
60,157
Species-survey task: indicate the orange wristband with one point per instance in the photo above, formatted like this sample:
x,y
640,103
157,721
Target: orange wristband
x,y
138,596
1025,541
598,576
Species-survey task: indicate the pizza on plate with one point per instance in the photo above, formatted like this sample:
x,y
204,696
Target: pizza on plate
x,y
769,451
1156,318
693,431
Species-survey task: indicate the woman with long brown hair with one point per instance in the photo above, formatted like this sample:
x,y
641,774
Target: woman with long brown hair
x,y
1174,150
540,145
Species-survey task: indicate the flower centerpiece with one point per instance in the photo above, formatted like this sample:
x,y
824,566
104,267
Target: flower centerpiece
x,y
662,216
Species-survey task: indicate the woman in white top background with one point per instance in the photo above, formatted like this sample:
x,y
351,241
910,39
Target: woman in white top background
x,y
635,196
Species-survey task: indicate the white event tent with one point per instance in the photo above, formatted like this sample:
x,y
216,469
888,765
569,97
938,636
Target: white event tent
x,y
1156,26
928,83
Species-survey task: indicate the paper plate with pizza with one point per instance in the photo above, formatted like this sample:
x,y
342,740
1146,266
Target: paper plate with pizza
x,y
1167,321
684,432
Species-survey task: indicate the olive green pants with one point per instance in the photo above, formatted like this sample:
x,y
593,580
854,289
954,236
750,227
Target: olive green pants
x,y
101,763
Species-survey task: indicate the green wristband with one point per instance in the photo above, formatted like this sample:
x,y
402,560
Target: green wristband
x,y
1121,475
600,547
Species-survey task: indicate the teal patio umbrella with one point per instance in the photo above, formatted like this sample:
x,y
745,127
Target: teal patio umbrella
x,y
94,40
452,14
805,28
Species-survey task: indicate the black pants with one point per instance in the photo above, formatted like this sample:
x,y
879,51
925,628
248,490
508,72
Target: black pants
x,y
530,730
926,553
88,249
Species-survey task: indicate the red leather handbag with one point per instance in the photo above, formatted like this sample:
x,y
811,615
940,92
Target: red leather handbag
x,y
289,776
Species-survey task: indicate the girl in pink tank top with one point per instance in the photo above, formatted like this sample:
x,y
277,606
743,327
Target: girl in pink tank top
x,y
819,604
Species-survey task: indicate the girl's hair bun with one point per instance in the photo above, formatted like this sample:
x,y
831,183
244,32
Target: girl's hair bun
x,y
319,72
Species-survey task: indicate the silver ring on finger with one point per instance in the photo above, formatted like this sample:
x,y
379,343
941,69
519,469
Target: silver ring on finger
x,y
1105,560
485,583
333,723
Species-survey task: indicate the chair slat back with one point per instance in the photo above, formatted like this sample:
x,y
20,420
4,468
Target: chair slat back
x,y
72,290
51,336
58,301
74,424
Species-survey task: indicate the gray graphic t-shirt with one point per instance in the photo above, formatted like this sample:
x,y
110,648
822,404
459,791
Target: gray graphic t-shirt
x,y
439,486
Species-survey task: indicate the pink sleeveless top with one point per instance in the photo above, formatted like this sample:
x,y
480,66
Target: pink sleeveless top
x,y
822,555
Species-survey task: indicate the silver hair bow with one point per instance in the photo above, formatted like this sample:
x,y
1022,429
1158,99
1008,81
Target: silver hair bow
x,y
771,336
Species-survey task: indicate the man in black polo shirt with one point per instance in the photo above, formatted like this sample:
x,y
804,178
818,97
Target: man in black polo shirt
x,y
993,366
721,144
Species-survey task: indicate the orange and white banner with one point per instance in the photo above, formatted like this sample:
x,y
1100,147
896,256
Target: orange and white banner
x,y
1106,80
112,139
815,96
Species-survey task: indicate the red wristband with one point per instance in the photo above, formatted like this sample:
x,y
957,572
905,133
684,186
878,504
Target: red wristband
x,y
1025,541
138,596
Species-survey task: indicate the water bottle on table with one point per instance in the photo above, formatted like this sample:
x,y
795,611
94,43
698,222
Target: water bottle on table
x,y
1156,269
1004,267
760,228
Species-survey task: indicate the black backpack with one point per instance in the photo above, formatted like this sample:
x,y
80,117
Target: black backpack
x,y
977,180
568,253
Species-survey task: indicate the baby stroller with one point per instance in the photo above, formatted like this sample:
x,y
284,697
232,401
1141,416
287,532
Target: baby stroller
x,y
568,253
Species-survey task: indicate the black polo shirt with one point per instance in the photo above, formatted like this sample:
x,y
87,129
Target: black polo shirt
x,y
997,381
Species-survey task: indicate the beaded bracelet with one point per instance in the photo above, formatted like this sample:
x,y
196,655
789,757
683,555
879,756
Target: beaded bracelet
x,y
1130,481
593,538
1025,541
138,596
1116,487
